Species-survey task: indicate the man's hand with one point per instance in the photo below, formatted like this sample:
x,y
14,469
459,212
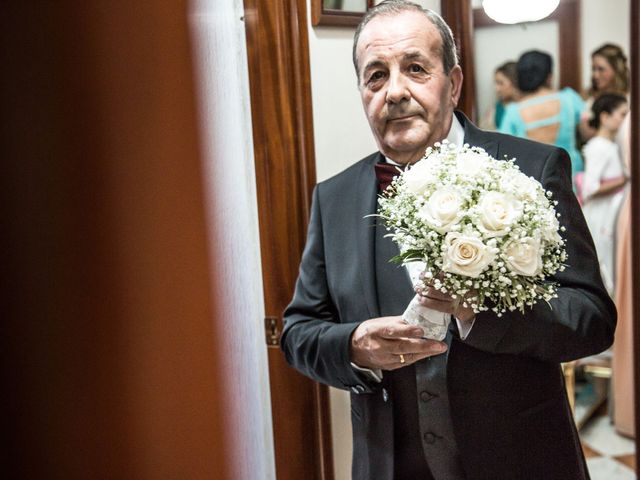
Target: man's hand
x,y
442,302
389,343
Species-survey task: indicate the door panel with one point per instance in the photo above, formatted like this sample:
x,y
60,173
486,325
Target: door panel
x,y
277,47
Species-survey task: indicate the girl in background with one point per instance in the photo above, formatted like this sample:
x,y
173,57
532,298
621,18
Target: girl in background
x,y
505,81
604,177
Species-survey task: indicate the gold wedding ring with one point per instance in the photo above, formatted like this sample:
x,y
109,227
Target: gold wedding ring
x,y
401,358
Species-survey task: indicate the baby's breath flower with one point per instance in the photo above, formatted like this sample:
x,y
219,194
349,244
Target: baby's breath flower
x,y
460,177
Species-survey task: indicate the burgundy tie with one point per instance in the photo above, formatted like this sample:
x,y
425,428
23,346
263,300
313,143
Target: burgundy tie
x,y
385,173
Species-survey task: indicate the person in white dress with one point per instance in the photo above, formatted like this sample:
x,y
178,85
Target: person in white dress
x,y
602,190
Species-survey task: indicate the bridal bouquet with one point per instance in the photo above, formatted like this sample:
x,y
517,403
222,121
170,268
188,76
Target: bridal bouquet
x,y
487,234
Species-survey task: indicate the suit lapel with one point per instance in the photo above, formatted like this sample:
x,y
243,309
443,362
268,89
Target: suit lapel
x,y
366,204
477,138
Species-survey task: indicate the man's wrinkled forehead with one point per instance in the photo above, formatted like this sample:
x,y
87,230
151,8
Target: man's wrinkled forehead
x,y
433,41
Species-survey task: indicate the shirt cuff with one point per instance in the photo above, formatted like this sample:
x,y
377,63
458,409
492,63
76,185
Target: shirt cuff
x,y
464,327
374,374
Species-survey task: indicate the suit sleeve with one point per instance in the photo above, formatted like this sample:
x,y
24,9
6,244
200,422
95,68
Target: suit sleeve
x,y
581,321
313,339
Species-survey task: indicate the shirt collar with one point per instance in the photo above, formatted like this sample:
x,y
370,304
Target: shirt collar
x,y
455,136
456,132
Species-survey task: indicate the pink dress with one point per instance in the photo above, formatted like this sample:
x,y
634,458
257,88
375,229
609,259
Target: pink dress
x,y
623,367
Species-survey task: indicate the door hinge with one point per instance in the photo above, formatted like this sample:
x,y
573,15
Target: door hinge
x,y
272,331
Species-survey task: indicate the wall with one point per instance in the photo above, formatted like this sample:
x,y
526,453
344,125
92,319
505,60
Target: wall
x,y
603,22
225,116
340,127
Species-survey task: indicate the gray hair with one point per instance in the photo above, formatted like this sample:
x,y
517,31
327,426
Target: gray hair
x,y
448,53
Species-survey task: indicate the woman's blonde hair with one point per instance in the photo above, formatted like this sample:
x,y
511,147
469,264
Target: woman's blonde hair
x,y
615,57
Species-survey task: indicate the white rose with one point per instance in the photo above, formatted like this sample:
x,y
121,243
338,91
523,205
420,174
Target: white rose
x,y
524,256
551,227
420,176
524,188
470,163
442,209
498,211
466,255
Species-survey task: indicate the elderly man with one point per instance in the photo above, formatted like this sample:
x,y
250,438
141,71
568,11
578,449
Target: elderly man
x,y
489,401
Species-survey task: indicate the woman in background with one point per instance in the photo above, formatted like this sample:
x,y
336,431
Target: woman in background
x,y
623,362
603,181
505,81
609,74
544,114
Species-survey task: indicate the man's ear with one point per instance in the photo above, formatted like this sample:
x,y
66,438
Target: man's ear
x,y
455,76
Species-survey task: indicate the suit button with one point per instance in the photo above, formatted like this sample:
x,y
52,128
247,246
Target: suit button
x,y
355,390
360,388
385,395
426,396
429,438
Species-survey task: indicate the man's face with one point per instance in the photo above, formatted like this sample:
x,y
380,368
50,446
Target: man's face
x,y
407,97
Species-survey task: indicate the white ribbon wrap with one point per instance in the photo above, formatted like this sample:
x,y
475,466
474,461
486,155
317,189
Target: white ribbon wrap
x,y
434,323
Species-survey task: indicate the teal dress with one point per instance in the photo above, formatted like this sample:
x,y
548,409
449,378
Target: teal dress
x,y
499,115
568,118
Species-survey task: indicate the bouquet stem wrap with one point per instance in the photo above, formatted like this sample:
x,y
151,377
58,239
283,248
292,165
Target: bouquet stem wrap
x,y
434,323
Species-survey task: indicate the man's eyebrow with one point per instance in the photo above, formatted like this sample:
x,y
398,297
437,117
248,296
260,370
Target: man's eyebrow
x,y
373,64
416,55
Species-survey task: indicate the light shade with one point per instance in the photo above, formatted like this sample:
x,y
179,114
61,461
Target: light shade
x,y
518,11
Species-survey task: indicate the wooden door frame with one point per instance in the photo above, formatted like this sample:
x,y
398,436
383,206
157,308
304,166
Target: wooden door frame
x,y
281,109
634,57
459,15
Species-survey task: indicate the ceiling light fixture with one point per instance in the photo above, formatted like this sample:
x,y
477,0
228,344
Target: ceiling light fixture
x,y
518,11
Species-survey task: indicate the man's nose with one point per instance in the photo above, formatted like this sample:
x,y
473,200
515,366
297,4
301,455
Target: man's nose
x,y
398,88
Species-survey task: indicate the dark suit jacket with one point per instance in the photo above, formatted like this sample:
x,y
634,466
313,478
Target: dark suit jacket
x,y
511,417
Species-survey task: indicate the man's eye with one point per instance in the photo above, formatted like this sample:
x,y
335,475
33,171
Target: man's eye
x,y
415,68
375,76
